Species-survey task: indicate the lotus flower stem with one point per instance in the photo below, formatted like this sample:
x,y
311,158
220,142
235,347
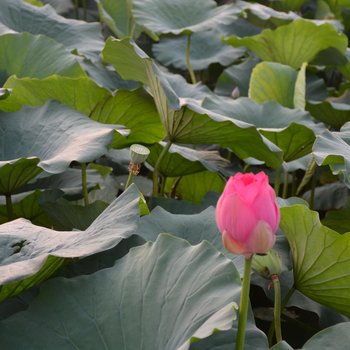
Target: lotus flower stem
x,y
156,168
244,303
277,307
84,184
9,207
188,59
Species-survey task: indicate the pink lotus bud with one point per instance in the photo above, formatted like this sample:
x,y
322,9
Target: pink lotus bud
x,y
247,214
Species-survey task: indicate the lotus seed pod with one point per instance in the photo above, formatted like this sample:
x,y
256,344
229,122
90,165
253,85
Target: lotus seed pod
x,y
138,153
268,265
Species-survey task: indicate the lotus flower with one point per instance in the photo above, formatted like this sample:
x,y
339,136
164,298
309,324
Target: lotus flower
x,y
247,214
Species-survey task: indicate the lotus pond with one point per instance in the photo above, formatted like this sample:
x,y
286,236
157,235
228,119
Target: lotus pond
x,y
120,123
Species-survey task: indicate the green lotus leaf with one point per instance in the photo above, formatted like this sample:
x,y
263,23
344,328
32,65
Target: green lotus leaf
x,y
183,119
67,216
338,220
194,228
55,134
293,131
17,16
206,48
182,16
330,112
264,16
237,75
188,290
321,258
36,56
116,15
136,111
337,335
28,208
30,254
15,173
271,81
333,149
181,160
194,187
81,93
294,43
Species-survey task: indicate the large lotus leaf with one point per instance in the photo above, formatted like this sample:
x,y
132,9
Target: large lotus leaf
x,y
194,228
181,160
255,339
271,81
134,109
17,16
197,125
294,43
206,48
80,93
182,16
333,149
293,131
116,15
264,16
37,56
321,258
338,220
66,216
28,208
68,182
30,254
195,186
184,120
336,336
238,76
55,134
16,173
158,296
105,75
332,113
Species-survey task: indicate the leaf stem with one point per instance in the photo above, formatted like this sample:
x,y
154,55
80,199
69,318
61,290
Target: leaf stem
x,y
130,177
131,23
84,184
156,168
285,185
76,8
244,304
277,181
277,307
271,331
313,188
85,10
9,207
188,59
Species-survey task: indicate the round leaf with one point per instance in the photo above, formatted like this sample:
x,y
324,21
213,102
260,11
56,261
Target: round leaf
x,y
158,296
